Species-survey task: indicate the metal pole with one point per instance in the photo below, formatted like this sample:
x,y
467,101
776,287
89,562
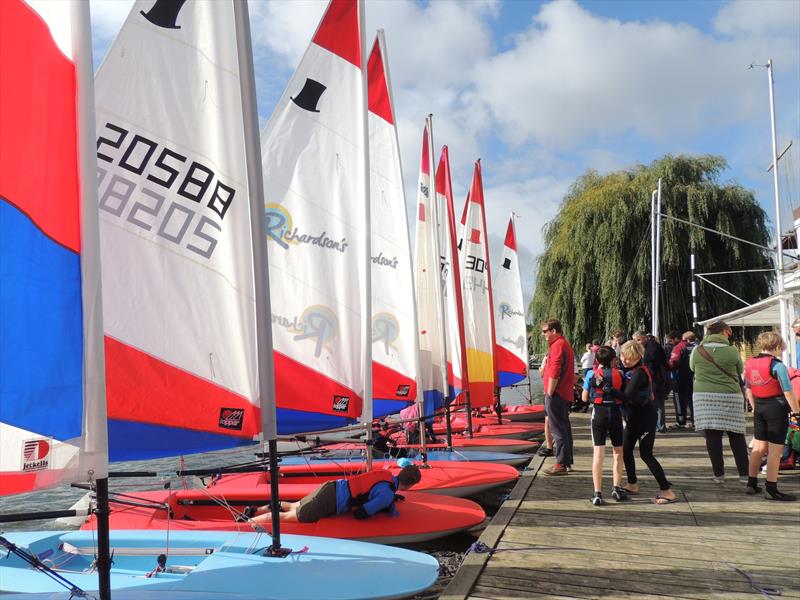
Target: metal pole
x,y
263,310
778,228
653,260
694,290
657,308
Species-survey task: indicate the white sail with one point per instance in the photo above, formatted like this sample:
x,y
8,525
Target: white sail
x,y
176,234
313,152
52,386
477,296
509,314
451,273
430,309
394,343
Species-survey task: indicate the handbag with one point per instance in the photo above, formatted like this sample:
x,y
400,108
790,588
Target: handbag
x,y
707,355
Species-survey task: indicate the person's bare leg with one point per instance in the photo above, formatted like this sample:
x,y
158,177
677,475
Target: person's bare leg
x,y
597,467
288,512
617,466
548,437
756,456
773,461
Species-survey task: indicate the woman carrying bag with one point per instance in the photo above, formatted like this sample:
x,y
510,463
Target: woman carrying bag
x,y
718,398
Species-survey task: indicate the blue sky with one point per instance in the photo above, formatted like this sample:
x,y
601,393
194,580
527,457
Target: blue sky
x,y
543,91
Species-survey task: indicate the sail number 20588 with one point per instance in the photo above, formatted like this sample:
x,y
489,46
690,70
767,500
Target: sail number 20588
x,y
144,174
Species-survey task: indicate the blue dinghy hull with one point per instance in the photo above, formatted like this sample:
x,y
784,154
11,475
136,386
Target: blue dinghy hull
x,y
220,565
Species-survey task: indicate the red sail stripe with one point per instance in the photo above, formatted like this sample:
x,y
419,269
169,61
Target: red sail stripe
x,y
37,119
509,362
511,238
378,93
385,382
338,31
143,389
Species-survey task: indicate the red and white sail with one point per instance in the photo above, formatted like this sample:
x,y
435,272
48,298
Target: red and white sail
x,y
451,274
394,343
52,386
430,307
178,278
314,165
509,314
477,296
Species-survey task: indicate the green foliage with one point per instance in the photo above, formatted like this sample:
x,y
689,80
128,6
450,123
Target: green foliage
x,y
595,272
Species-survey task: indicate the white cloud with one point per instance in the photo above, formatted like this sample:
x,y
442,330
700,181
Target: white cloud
x,y
781,17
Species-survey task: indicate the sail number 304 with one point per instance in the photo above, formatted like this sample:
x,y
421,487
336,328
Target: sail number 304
x,y
149,186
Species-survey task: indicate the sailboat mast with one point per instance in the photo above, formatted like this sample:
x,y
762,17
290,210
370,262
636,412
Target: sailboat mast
x,y
95,455
420,401
366,410
263,312
653,260
778,227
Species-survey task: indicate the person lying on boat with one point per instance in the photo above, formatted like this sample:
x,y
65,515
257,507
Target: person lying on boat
x,y
362,495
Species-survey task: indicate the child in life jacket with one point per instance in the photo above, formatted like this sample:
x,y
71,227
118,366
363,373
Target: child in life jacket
x,y
362,495
599,385
770,394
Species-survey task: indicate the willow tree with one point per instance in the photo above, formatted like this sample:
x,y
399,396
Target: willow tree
x,y
595,272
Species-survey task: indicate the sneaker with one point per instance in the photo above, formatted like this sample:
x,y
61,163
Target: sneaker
x,y
720,479
568,468
556,469
545,451
776,494
753,490
597,499
618,495
743,479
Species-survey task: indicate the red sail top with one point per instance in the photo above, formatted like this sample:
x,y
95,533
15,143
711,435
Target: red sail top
x,y
338,31
424,165
378,93
511,237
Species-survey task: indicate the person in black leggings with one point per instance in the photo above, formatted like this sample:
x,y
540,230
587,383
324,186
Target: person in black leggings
x,y
641,423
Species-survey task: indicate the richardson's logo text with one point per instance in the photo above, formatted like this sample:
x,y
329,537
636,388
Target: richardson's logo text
x,y
281,230
507,311
231,418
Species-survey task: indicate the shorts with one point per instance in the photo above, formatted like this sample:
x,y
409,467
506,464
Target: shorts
x,y
771,420
318,504
606,420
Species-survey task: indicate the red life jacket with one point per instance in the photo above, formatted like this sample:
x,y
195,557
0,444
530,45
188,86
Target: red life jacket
x,y
601,376
360,485
758,372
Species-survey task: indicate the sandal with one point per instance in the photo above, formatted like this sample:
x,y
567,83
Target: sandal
x,y
659,500
628,492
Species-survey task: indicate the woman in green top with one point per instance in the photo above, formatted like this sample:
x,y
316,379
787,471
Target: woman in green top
x,y
718,401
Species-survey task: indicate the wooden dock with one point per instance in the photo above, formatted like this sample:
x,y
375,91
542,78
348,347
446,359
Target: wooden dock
x,y
548,541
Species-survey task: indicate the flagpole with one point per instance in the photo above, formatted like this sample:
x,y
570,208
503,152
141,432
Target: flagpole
x,y
95,428
366,409
657,284
263,311
778,227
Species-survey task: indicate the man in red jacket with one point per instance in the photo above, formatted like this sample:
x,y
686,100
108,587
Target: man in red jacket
x,y
559,380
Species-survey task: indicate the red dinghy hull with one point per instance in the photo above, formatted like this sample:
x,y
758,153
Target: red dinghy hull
x,y
483,444
488,428
444,478
517,413
422,516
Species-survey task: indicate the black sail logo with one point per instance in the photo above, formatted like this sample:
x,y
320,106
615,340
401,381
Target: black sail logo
x,y
309,96
164,13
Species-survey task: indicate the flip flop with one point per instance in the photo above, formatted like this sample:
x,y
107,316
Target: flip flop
x,y
660,500
628,492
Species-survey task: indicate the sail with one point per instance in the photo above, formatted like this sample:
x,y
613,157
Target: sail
x,y
52,403
433,362
451,273
175,234
394,343
509,315
477,296
313,153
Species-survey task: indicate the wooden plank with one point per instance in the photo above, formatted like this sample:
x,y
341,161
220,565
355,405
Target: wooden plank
x,y
552,543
